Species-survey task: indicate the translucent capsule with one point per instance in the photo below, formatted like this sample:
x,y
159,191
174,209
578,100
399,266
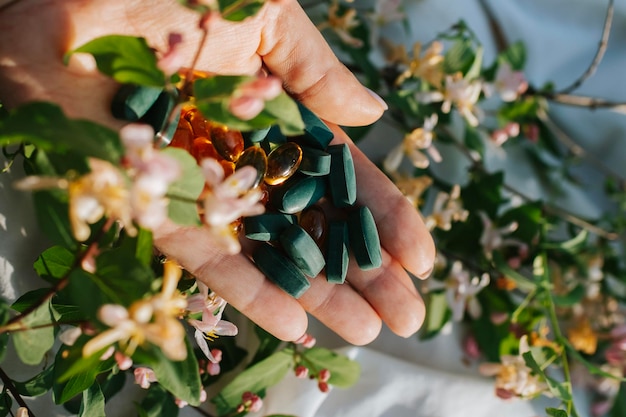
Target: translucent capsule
x,y
198,123
228,143
255,157
183,137
282,163
313,221
203,148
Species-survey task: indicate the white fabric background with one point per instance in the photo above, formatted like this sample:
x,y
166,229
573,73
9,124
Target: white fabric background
x,y
405,377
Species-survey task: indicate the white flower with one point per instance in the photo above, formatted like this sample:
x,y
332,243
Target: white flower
x,y
212,307
513,377
448,208
508,84
414,143
460,92
461,289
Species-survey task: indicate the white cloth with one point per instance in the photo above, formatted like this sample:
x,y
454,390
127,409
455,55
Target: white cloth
x,y
405,377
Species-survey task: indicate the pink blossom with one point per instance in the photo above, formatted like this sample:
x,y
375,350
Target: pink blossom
x,y
508,84
249,98
144,377
152,173
123,362
471,348
301,371
211,325
250,402
172,60
323,386
306,340
324,375
229,199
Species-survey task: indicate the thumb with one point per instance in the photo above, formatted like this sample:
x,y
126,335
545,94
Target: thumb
x,y
293,49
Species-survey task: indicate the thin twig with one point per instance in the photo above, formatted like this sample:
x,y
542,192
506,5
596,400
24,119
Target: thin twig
x,y
592,103
8,383
556,211
496,29
62,283
577,150
604,41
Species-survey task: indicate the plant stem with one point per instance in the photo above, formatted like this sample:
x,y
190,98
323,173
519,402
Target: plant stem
x,y
62,283
557,211
604,41
558,336
8,383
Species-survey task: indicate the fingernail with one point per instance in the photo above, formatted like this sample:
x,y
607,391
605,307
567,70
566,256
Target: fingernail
x,y
426,274
378,98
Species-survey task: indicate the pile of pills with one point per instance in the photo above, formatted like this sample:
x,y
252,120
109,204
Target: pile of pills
x,y
312,221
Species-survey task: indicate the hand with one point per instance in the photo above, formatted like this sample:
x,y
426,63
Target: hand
x,y
282,39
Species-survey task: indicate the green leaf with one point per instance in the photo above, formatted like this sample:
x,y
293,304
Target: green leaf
x,y
515,55
287,115
570,299
212,96
181,378
83,292
437,314
54,263
484,193
121,276
74,373
32,344
572,245
474,141
474,71
37,385
593,369
460,57
93,402
267,344
254,379
555,412
238,10
520,280
5,403
619,407
344,372
53,217
556,388
127,59
46,126
184,192
158,403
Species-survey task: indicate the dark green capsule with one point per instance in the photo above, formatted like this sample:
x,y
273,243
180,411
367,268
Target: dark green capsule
x,y
297,193
302,250
337,252
342,176
267,226
315,162
279,269
364,239
316,133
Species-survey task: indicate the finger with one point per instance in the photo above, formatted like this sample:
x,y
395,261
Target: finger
x,y
391,293
294,49
401,229
235,279
343,310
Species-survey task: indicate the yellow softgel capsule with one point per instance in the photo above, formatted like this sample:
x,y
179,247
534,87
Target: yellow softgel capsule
x,y
282,163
